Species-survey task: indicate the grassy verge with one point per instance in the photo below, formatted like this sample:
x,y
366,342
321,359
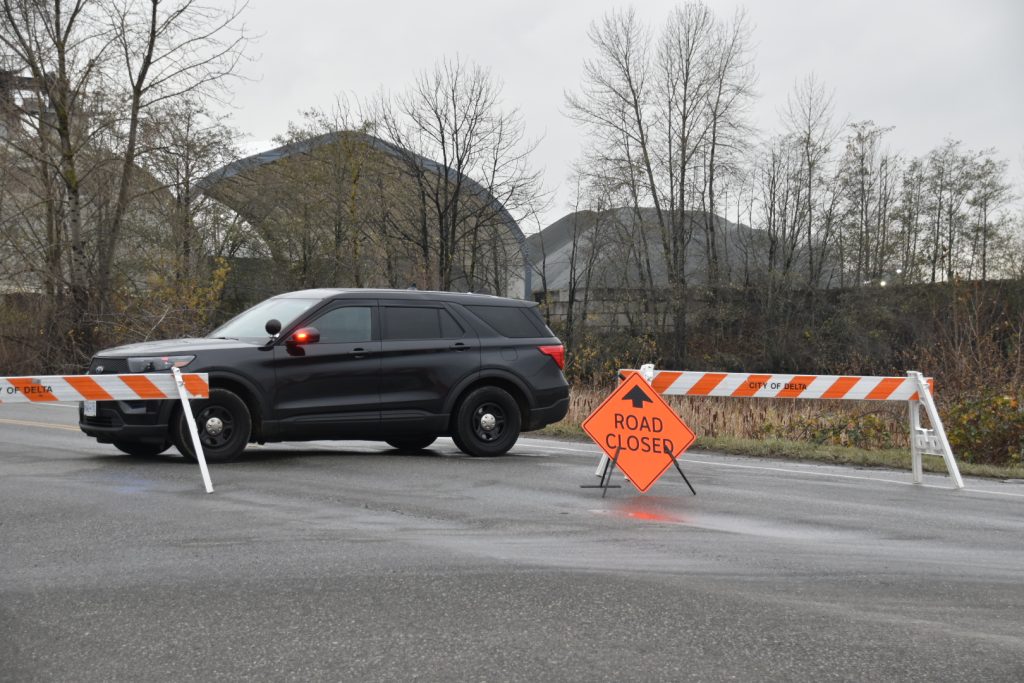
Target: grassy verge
x,y
801,450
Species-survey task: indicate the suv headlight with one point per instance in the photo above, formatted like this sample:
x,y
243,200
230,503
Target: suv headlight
x,y
158,363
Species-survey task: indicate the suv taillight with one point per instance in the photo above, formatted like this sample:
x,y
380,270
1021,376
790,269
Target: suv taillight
x,y
556,352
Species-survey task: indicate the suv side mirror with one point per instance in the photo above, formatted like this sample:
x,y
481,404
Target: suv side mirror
x,y
273,326
305,335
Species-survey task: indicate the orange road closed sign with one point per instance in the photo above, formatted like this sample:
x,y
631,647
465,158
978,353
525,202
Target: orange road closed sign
x,y
636,428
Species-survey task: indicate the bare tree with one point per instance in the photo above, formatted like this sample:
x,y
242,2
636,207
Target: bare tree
x,y
615,107
328,174
909,212
867,177
665,121
729,95
582,253
98,68
469,157
950,174
991,193
808,118
780,193
63,48
181,143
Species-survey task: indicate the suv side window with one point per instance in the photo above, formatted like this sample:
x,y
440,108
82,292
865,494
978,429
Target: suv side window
x,y
450,327
515,322
348,324
417,322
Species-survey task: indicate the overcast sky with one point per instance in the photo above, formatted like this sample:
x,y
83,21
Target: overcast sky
x,y
930,69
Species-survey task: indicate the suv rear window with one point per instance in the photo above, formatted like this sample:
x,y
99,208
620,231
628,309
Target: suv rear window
x,y
512,321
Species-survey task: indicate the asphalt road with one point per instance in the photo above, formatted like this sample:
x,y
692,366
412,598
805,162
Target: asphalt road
x,y
349,562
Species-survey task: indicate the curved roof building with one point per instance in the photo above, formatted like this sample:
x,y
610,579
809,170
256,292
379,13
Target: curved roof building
x,y
355,191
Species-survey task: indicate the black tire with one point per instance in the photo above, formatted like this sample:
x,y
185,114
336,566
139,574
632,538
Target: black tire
x,y
224,425
411,444
141,449
487,422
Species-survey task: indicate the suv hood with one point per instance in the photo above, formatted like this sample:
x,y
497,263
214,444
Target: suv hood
x,y
174,347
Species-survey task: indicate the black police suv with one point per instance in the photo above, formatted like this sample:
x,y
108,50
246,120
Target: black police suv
x,y
400,366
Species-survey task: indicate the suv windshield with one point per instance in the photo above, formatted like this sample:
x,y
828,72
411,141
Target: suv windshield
x,y
252,323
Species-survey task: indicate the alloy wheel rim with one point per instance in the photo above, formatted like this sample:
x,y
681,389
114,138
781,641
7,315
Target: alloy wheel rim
x,y
489,421
216,426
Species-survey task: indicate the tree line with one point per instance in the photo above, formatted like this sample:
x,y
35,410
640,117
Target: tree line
x,y
705,213
112,228
106,126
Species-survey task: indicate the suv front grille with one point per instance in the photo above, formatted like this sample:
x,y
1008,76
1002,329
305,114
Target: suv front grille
x,y
102,420
111,366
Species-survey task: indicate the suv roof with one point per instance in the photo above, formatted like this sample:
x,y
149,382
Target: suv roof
x,y
412,294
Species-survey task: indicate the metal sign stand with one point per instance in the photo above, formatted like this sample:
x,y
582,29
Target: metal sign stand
x,y
604,470
607,466
191,420
675,461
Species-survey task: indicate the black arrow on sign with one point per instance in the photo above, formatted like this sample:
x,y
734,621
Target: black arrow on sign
x,y
638,397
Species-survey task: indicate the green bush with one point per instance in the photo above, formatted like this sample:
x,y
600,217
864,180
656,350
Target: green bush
x,y
987,430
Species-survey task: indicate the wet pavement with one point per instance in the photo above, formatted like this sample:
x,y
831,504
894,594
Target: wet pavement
x,y
349,561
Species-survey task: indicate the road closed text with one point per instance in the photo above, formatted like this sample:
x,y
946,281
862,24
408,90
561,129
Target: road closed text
x,y
640,434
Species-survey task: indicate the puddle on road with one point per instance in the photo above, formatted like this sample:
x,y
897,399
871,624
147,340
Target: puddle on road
x,y
123,482
655,517
649,509
671,511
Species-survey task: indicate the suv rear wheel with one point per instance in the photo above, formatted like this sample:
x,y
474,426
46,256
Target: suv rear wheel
x,y
223,423
487,422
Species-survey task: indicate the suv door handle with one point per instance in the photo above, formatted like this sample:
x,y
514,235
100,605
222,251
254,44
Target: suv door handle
x,y
357,352
459,346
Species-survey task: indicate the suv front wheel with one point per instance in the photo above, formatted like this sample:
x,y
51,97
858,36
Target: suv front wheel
x,y
411,444
141,449
223,423
487,422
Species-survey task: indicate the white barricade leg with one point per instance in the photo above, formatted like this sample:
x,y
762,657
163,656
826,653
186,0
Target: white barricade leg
x,y
925,394
602,467
647,372
190,419
915,449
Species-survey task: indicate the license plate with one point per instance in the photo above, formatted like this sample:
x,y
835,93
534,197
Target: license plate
x,y
89,408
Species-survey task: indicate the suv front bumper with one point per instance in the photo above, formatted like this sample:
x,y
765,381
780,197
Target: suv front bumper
x,y
141,421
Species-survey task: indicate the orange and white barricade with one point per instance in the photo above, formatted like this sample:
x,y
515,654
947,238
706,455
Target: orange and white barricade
x,y
131,387
915,389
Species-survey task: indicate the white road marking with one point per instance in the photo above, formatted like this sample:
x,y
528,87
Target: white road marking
x,y
45,425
